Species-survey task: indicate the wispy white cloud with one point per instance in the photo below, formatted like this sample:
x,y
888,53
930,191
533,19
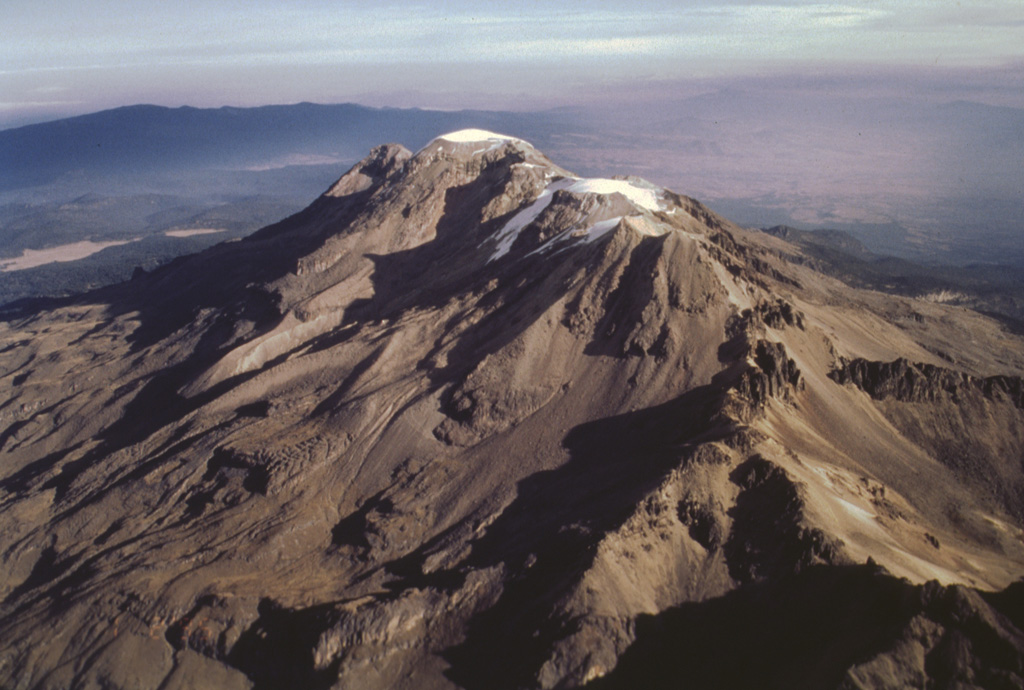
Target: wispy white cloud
x,y
201,41
300,33
22,105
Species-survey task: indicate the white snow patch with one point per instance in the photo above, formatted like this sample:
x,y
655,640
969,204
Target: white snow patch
x,y
588,234
476,136
643,197
492,140
508,234
601,228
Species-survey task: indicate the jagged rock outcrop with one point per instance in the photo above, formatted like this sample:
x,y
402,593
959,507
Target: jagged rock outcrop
x,y
915,382
968,423
773,375
472,421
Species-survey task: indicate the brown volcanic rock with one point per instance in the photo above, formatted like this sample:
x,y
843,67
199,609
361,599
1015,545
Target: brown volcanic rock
x,y
909,382
469,421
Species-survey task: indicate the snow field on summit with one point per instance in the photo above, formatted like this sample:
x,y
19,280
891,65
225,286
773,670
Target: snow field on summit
x,y
643,197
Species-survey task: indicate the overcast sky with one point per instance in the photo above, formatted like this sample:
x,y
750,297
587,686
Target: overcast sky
x,y
62,56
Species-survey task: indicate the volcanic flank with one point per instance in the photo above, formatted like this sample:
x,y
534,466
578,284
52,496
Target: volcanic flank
x,y
472,421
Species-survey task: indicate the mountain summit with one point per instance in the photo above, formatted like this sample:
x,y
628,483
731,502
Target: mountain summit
x,y
469,420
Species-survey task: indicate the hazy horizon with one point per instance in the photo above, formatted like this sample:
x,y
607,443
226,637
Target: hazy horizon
x,y
59,61
818,114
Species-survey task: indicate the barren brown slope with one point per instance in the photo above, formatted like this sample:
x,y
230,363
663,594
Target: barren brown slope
x,y
468,421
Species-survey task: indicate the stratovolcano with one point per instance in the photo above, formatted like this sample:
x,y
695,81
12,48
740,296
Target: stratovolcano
x,y
470,420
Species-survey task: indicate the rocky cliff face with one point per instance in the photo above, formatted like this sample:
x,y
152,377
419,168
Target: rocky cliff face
x,y
472,421
910,382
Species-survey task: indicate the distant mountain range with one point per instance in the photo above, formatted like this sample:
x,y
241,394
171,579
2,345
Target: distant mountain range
x,y
139,172
929,182
147,139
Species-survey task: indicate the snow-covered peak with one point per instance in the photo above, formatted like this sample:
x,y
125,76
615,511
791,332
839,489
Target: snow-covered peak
x,y
476,136
640,194
473,142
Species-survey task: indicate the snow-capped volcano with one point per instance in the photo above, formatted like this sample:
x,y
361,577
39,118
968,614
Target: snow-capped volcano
x,y
472,421
629,196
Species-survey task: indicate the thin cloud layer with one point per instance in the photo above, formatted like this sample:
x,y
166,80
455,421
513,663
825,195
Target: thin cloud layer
x,y
112,51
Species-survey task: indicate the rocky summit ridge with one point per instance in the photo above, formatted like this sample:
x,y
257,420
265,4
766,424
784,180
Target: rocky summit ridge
x,y
471,421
